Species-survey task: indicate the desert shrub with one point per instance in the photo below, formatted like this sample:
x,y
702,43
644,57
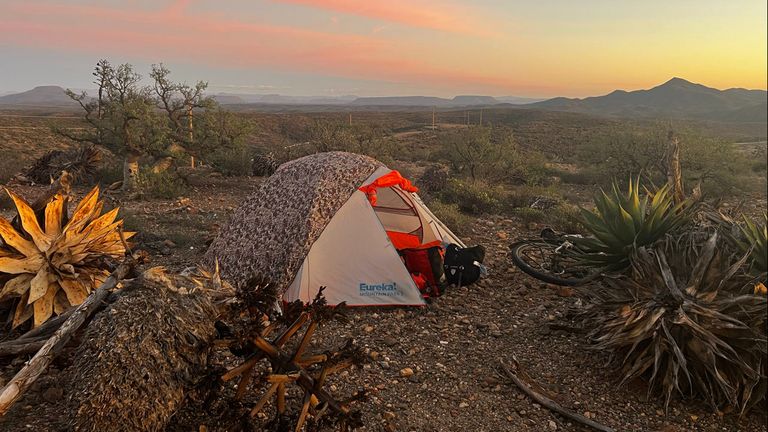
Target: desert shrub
x,y
528,215
482,153
451,216
527,196
264,163
473,197
563,217
110,173
164,185
711,162
434,179
681,320
233,161
587,175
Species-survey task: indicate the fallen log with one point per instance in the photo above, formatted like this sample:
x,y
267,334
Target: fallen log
x,y
40,362
547,402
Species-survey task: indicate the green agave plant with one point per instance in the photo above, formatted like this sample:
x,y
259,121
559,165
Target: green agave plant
x,y
623,222
757,242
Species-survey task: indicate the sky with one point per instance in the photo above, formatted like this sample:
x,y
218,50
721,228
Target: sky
x,y
541,48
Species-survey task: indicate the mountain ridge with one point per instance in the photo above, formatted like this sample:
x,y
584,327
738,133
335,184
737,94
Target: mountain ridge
x,y
676,98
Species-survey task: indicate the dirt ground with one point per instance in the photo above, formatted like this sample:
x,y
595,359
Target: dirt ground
x,y
453,346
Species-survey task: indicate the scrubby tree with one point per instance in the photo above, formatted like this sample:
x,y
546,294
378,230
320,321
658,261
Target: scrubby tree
x,y
485,153
705,161
179,102
122,117
134,120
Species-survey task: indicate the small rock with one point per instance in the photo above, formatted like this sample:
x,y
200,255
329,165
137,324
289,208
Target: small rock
x,y
389,341
552,425
406,372
502,235
374,355
463,405
368,329
389,415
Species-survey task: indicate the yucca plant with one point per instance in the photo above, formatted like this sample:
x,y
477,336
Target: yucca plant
x,y
679,320
623,222
53,260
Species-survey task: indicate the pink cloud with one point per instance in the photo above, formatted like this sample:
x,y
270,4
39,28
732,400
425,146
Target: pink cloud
x,y
173,33
419,14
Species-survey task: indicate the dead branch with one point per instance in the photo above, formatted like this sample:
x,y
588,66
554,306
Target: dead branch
x,y
547,402
16,347
46,329
40,362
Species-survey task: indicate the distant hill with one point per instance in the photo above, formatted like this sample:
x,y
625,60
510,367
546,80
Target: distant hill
x,y
425,101
517,100
226,99
675,98
277,99
49,96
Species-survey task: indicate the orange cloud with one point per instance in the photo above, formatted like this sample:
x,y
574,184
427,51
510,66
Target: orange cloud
x,y
176,34
419,14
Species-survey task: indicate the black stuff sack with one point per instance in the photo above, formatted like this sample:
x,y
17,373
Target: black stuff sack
x,y
463,266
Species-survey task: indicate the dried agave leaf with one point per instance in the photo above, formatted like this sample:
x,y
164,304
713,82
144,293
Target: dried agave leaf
x,y
30,223
15,240
16,286
66,258
43,308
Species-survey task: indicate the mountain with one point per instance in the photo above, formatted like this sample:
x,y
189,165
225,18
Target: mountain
x,y
228,99
277,99
425,101
49,96
517,100
676,98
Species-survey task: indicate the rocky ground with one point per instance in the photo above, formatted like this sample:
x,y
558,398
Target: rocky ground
x,y
430,369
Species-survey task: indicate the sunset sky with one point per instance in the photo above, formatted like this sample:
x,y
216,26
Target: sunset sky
x,y
391,47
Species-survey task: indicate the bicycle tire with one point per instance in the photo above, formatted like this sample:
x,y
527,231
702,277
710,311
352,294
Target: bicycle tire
x,y
517,257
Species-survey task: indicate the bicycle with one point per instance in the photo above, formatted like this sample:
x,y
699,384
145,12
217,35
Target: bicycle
x,y
554,259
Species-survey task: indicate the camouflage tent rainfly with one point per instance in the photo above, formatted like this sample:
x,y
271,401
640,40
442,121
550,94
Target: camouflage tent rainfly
x,y
330,219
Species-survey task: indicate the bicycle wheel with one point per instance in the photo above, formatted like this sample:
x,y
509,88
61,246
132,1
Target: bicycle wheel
x,y
546,263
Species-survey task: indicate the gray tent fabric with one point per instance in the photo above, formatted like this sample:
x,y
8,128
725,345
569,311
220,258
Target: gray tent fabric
x,y
271,233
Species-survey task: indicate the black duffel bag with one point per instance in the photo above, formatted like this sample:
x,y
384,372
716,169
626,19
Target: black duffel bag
x,y
463,266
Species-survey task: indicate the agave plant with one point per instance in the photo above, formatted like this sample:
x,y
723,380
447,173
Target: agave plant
x,y
756,242
53,260
680,321
622,222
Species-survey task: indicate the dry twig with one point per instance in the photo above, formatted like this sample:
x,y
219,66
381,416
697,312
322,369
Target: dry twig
x,y
547,402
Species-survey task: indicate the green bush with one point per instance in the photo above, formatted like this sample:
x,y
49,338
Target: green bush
x,y
164,185
451,216
232,161
473,197
110,173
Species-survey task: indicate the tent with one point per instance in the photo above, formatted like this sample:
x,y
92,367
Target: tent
x,y
331,219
